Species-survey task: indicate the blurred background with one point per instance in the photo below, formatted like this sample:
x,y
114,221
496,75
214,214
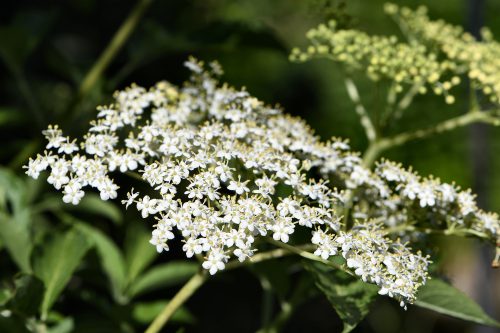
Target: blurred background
x,y
47,47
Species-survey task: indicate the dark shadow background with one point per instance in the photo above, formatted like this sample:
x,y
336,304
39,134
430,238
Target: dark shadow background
x,y
54,43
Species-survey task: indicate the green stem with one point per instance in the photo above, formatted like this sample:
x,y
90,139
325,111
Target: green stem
x,y
473,100
135,175
373,152
307,255
267,301
113,47
365,120
405,102
496,261
445,232
198,279
288,307
447,125
276,325
182,296
377,147
272,254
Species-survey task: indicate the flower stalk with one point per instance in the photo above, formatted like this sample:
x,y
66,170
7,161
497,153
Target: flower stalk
x,y
201,277
364,118
115,45
179,299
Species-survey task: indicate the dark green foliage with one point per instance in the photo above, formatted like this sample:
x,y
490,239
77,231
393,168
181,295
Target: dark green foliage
x,y
29,293
441,297
54,262
350,296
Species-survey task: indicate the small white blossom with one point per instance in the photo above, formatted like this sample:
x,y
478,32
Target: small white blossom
x,y
73,192
238,186
147,206
215,261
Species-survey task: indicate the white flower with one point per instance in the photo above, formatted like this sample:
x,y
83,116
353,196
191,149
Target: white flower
x,y
426,196
448,192
107,189
158,241
73,192
287,206
360,175
466,203
131,196
283,229
215,261
67,147
147,206
193,65
326,250
238,186
266,186
35,166
58,179
192,247
412,189
54,135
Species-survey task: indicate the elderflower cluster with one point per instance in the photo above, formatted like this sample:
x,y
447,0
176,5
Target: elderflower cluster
x,y
403,199
224,170
382,57
377,259
479,60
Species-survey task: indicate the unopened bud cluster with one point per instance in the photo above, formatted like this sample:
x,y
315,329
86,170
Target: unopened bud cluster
x,y
225,170
478,59
412,63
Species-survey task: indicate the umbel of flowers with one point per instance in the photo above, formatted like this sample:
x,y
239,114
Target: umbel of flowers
x,y
225,171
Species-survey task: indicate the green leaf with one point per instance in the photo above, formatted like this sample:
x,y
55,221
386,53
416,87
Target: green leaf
x,y
146,312
15,235
12,191
5,296
92,204
441,297
350,297
111,258
55,261
28,295
67,325
10,116
139,253
163,276
15,218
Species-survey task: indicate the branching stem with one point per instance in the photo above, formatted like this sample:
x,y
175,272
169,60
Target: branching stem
x,y
377,147
199,278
